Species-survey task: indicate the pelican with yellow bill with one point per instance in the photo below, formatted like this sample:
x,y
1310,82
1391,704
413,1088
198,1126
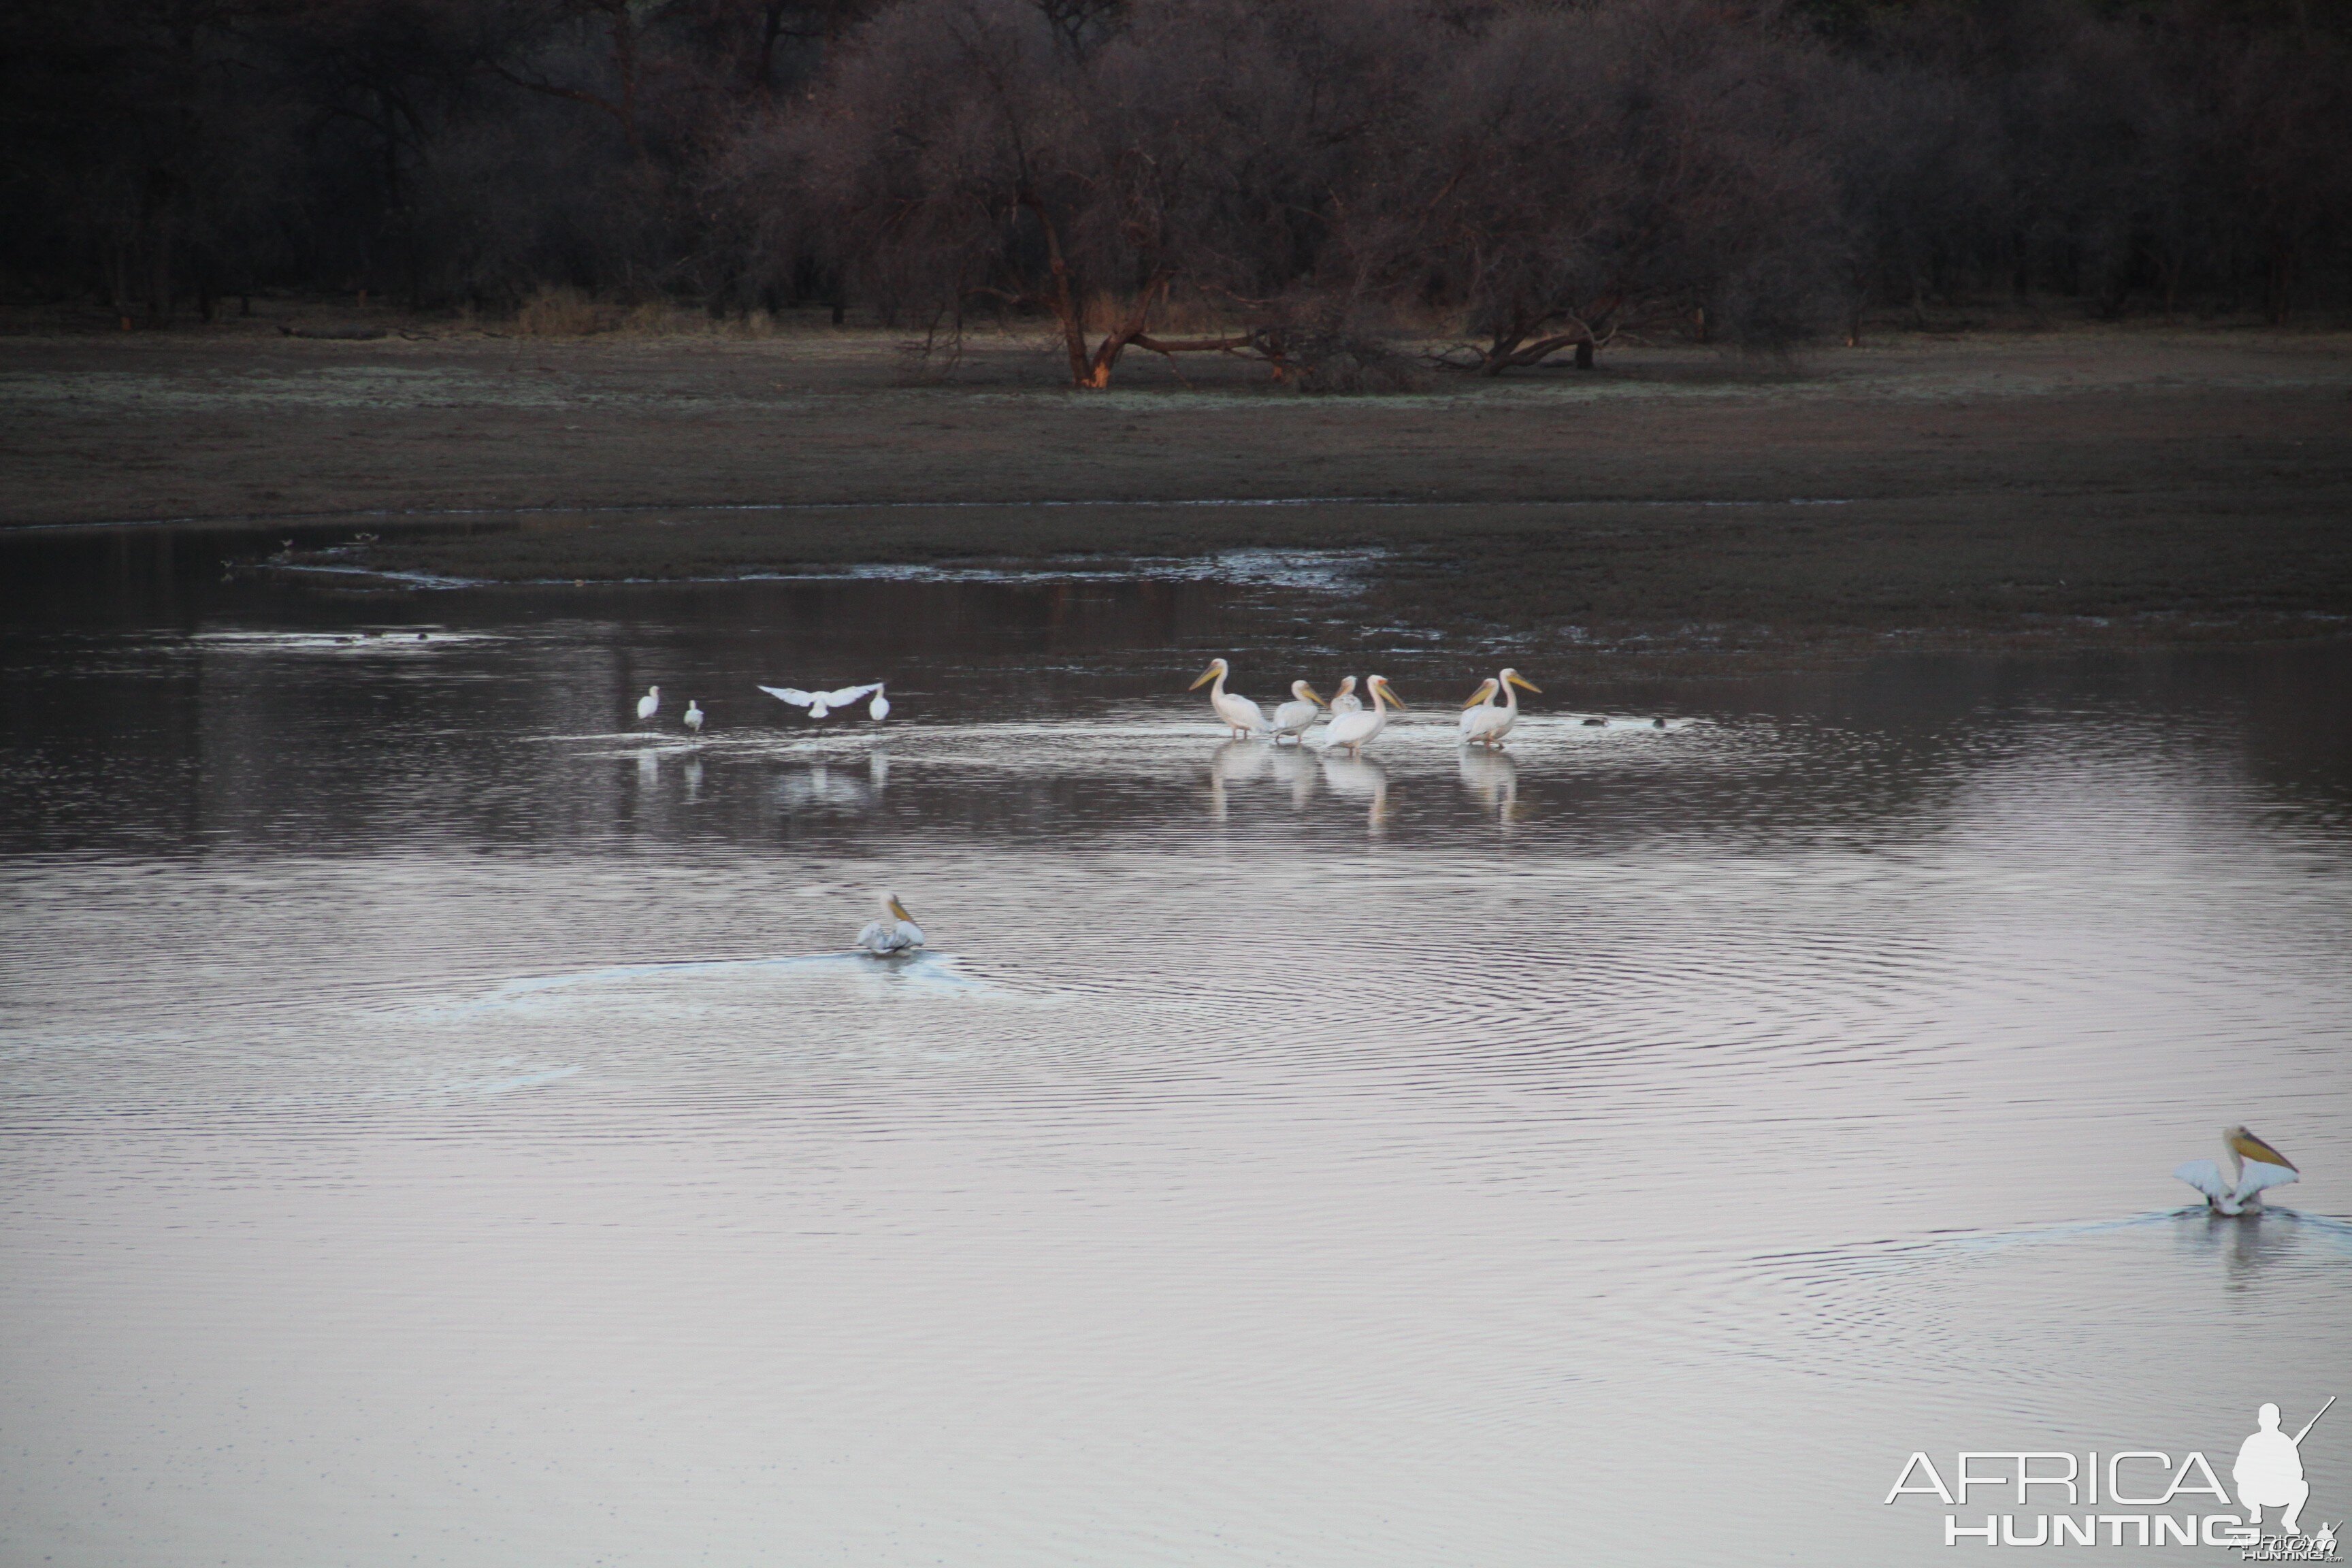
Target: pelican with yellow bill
x,y
894,934
1485,725
1241,716
2254,1166
1351,732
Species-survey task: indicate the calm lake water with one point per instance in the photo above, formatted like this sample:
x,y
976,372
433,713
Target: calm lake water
x,y
440,1121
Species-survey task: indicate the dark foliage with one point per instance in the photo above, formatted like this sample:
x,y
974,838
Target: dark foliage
x,y
1290,179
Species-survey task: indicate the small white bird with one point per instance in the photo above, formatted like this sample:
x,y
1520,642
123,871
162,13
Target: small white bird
x,y
879,709
1482,723
896,934
820,703
1293,718
1347,702
649,704
2254,1166
1241,716
693,716
1351,732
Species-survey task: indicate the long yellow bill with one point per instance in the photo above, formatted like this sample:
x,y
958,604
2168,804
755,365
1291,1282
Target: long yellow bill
x,y
1206,677
1485,689
2253,1148
1527,685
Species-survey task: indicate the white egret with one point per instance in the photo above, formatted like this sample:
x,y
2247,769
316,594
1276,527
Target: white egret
x,y
1351,732
1241,716
896,934
649,704
1346,700
879,709
693,716
820,703
1482,723
1293,718
2254,1166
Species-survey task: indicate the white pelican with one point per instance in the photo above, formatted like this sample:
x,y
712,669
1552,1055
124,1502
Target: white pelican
x,y
2254,1166
1351,732
1241,716
879,709
693,716
1482,723
649,704
820,703
1293,718
1347,702
896,932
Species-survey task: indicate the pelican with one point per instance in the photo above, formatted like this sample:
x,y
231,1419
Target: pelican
x,y
1293,718
879,709
1347,702
820,703
2254,1166
894,933
649,704
1351,732
1241,716
1482,723
693,716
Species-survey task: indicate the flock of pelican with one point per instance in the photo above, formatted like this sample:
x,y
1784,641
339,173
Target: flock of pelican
x,y
1353,726
818,703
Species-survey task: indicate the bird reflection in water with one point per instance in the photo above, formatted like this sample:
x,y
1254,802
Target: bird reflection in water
x,y
693,778
1291,765
821,788
1235,762
1363,781
649,770
1494,778
2249,1249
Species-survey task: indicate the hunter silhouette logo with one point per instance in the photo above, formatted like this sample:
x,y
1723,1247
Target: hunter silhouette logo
x,y
2269,1471
2165,1496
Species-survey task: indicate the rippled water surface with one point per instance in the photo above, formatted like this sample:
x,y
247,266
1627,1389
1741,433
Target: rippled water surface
x,y
441,1123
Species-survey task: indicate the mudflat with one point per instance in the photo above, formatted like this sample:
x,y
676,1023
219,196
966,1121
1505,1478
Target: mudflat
x,y
2085,485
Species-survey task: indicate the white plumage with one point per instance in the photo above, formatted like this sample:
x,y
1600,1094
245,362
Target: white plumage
x,y
1293,718
879,709
650,703
820,703
894,933
1241,716
1347,702
2254,1166
1351,732
1482,723
693,716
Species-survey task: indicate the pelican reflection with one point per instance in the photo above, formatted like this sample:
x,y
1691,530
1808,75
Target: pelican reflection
x,y
1494,778
1363,781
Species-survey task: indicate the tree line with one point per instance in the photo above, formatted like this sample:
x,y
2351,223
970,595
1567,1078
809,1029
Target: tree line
x,y
1296,179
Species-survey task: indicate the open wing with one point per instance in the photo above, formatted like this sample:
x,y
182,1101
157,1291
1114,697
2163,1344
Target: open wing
x,y
2205,1178
792,694
2260,1176
849,694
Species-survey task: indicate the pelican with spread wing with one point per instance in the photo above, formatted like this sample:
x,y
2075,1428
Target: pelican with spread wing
x,y
820,703
894,933
2254,1166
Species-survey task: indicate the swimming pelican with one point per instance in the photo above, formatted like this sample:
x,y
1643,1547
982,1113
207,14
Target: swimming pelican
x,y
896,934
2254,1166
1293,718
693,716
1241,716
649,704
1482,723
1346,700
879,709
1351,732
820,703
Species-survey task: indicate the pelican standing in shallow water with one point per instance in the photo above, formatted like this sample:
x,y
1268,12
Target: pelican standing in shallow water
x,y
693,716
1241,716
1346,700
2254,1166
894,933
879,709
1482,723
649,704
1351,732
1293,718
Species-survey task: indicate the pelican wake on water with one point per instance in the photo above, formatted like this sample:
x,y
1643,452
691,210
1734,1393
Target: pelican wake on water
x,y
2254,1165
